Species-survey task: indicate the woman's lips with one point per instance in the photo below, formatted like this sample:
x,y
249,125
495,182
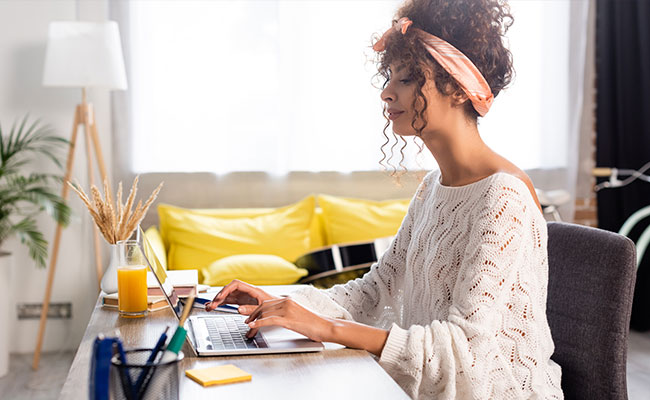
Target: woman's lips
x,y
394,115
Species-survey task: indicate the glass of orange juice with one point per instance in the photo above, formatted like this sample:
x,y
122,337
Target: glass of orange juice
x,y
131,280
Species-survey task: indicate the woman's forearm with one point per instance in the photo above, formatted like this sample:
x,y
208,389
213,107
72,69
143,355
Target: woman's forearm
x,y
358,336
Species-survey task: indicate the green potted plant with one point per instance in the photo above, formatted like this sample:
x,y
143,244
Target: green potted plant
x,y
23,196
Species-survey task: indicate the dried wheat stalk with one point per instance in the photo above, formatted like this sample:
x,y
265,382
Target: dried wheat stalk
x,y
115,222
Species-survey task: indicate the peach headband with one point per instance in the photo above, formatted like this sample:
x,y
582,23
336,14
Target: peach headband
x,y
453,61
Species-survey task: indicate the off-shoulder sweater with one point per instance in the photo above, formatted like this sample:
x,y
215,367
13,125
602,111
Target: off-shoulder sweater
x,y
462,289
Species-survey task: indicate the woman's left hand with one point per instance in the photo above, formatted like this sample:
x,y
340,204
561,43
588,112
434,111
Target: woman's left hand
x,y
285,312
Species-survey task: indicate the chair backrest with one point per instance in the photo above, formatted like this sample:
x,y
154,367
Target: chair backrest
x,y
590,287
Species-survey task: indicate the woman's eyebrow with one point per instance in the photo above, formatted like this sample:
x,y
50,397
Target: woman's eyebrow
x,y
397,69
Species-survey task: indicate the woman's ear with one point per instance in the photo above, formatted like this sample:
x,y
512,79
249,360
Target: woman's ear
x,y
459,98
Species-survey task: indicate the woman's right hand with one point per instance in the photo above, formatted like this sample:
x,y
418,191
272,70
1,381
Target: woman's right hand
x,y
241,293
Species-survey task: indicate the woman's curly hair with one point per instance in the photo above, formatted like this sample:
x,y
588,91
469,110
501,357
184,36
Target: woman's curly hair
x,y
474,27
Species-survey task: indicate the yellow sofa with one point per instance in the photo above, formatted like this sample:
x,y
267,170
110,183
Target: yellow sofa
x,y
259,245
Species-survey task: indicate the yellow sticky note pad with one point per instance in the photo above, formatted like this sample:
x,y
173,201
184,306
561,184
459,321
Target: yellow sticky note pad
x,y
219,375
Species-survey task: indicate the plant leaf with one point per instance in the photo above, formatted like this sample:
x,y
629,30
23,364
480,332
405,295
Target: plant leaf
x,y
29,235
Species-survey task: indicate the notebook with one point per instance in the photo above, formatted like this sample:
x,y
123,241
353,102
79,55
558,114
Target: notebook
x,y
214,333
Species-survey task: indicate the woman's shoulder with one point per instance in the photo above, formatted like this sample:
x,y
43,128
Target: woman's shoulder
x,y
508,171
518,181
508,200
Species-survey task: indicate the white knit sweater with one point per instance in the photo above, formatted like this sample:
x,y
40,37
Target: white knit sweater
x,y
463,290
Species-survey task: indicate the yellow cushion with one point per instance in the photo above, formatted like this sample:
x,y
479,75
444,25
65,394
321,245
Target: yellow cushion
x,y
316,228
257,269
156,242
196,238
354,220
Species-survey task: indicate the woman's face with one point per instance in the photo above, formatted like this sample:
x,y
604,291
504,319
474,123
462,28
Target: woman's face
x,y
399,95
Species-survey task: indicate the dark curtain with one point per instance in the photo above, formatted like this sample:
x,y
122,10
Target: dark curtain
x,y
623,123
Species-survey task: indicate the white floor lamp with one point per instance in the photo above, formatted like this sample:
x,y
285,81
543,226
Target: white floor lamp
x,y
81,55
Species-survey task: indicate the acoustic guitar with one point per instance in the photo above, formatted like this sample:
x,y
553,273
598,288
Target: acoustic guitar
x,y
341,259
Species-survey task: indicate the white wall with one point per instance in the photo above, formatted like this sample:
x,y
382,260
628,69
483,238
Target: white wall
x,y
23,37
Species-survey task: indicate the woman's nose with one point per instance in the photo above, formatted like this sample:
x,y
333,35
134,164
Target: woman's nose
x,y
387,94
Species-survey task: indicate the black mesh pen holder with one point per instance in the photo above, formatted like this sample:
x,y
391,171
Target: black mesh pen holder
x,y
158,380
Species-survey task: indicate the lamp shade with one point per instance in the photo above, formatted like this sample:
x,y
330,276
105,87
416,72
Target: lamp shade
x,y
84,54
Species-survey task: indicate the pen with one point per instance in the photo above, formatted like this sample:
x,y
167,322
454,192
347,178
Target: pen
x,y
228,308
127,374
176,342
152,357
159,345
200,302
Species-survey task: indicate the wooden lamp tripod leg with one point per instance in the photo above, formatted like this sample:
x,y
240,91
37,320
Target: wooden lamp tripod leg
x,y
89,121
100,163
98,148
57,241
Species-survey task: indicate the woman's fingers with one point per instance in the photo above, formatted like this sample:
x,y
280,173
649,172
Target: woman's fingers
x,y
259,312
273,320
253,314
265,307
233,287
236,292
241,293
286,313
222,295
251,333
246,310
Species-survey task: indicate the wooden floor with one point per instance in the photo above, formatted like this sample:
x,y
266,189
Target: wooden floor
x,y
24,384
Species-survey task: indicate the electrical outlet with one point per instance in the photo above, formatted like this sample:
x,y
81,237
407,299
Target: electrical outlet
x,y
33,310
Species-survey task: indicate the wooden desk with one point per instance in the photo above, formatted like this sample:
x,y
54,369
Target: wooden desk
x,y
335,373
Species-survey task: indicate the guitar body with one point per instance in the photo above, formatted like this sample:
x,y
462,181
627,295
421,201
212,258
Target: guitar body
x,y
328,279
333,264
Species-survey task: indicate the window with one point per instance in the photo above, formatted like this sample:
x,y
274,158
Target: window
x,y
283,85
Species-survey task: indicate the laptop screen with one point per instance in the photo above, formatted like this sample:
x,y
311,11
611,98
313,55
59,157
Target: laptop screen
x,y
159,273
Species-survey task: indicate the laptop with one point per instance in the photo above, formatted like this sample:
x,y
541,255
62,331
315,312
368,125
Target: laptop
x,y
223,334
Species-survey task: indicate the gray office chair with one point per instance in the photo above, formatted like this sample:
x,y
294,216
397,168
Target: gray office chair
x,y
590,287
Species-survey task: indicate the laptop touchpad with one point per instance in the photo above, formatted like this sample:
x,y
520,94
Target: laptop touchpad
x,y
276,335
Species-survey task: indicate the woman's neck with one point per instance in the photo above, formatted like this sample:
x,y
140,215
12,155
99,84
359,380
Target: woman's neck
x,y
461,154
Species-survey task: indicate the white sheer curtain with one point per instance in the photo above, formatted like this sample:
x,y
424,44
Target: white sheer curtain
x,y
280,86
528,121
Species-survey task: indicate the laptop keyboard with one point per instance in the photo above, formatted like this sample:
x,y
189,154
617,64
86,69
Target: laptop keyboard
x,y
229,333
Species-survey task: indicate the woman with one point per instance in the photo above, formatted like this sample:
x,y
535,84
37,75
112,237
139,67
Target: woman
x,y
456,308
